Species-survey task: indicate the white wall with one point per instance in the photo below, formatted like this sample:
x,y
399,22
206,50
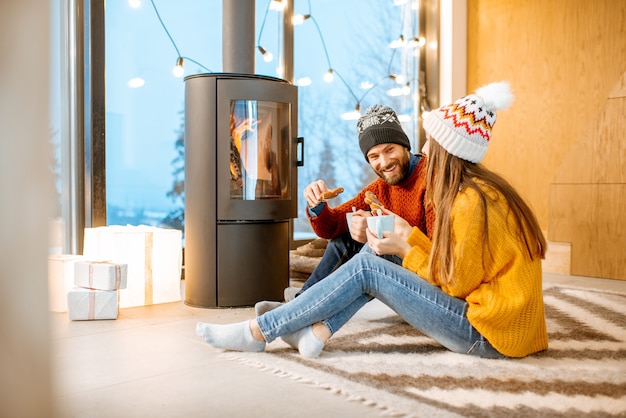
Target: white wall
x,y
26,192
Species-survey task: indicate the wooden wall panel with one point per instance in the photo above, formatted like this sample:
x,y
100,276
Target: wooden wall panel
x,y
563,140
562,58
591,217
600,154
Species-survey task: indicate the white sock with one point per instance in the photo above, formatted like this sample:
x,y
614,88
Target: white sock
x,y
305,341
265,306
236,337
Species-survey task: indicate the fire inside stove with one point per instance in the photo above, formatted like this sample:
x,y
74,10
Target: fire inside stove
x,y
257,139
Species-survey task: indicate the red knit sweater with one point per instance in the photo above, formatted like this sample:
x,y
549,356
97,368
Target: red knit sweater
x,y
405,199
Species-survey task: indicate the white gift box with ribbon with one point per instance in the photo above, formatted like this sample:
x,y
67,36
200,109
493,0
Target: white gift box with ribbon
x,y
89,304
60,279
153,256
101,275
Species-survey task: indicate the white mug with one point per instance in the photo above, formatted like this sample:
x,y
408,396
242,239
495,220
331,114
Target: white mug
x,y
379,224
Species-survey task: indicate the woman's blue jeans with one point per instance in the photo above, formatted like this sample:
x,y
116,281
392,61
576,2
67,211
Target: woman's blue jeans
x,y
334,300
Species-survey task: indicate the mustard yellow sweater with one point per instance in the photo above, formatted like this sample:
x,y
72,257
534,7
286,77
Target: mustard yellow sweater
x,y
503,292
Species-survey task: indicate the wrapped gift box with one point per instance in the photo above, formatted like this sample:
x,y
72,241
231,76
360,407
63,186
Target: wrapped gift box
x,y
153,256
60,279
89,304
101,275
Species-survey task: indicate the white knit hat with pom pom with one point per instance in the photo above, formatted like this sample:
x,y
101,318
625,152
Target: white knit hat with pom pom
x,y
463,128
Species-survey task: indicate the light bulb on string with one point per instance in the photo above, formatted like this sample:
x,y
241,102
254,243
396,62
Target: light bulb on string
x,y
354,114
329,76
398,78
135,4
416,42
394,92
136,82
179,69
280,71
398,43
267,56
402,117
299,19
277,5
304,81
406,89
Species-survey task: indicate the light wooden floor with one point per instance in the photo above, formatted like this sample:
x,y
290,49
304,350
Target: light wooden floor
x,y
150,363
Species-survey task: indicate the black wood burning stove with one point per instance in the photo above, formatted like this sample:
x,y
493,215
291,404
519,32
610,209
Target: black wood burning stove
x,y
241,158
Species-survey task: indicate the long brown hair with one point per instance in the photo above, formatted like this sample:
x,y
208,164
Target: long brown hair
x,y
446,176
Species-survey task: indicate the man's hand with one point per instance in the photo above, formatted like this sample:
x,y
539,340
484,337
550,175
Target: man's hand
x,y
313,192
358,226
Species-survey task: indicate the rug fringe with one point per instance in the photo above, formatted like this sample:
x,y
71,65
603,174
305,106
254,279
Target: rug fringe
x,y
386,410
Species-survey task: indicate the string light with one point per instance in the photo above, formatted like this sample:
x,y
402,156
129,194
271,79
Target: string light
x,y
179,69
404,87
329,76
304,81
398,78
272,5
398,43
353,115
267,56
416,42
278,5
136,82
299,19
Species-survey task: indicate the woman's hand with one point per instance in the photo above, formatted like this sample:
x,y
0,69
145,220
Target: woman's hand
x,y
401,226
391,244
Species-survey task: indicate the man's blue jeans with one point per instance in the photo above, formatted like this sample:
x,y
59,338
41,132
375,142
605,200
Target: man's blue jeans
x,y
338,251
334,300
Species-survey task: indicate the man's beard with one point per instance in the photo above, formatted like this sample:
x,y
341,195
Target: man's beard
x,y
392,180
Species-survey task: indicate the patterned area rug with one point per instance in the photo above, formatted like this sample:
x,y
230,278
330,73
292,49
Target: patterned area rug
x,y
380,360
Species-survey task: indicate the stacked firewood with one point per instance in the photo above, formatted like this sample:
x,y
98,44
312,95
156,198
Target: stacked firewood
x,y
304,259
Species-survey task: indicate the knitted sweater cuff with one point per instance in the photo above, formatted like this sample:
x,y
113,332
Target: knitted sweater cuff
x,y
417,258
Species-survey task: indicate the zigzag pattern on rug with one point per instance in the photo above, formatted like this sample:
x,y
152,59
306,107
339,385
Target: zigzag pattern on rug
x,y
386,363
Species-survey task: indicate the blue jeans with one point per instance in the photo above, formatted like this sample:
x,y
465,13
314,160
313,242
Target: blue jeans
x,y
334,300
338,251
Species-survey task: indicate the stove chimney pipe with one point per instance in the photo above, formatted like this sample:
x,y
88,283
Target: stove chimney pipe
x,y
238,36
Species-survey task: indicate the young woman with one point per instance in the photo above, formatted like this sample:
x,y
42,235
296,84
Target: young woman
x,y
476,287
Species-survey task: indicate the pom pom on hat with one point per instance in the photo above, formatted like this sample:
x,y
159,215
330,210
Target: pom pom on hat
x,y
463,128
496,96
380,125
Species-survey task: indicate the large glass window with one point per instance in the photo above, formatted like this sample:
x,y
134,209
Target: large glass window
x,y
348,56
145,102
366,45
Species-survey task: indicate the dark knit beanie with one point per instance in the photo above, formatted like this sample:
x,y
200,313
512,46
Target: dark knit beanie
x,y
380,125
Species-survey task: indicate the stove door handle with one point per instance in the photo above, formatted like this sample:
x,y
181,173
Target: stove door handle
x,y
300,145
